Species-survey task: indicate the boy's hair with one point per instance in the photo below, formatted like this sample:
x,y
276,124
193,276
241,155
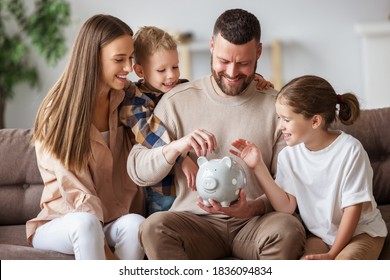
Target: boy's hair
x,y
148,40
311,95
64,118
238,27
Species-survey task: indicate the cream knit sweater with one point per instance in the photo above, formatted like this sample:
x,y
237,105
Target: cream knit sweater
x,y
196,104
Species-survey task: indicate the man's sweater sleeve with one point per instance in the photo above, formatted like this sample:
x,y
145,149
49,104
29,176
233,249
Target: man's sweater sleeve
x,y
147,167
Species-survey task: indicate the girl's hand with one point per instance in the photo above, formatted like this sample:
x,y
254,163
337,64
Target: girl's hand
x,y
247,151
325,256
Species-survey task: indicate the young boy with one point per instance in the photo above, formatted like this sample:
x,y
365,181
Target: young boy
x,y
156,63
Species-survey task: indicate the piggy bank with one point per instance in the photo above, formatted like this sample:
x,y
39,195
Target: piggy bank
x,y
220,180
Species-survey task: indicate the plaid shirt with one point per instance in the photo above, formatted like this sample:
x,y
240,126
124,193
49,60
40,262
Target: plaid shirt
x,y
136,113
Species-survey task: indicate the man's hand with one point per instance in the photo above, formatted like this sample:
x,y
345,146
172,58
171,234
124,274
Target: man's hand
x,y
242,208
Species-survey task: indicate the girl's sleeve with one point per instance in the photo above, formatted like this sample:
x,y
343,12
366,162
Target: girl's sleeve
x,y
357,180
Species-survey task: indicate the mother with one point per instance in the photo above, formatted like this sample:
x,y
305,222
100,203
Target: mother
x,y
82,150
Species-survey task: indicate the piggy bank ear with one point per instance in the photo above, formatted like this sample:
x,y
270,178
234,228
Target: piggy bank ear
x,y
201,161
227,161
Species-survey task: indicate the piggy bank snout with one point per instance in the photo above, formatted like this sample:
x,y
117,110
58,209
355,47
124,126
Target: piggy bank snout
x,y
209,184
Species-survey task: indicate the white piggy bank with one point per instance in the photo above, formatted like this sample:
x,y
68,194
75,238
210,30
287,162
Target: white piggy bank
x,y
220,180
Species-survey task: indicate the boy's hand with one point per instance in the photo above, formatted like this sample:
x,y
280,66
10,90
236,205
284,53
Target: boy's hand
x,y
190,169
262,83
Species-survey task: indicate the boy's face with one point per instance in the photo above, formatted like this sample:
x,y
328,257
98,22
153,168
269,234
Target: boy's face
x,y
161,71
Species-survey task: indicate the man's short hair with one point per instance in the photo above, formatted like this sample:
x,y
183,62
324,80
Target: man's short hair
x,y
238,27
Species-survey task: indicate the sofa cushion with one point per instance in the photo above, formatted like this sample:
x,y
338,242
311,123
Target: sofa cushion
x,y
16,252
13,235
385,211
18,163
20,203
371,129
20,181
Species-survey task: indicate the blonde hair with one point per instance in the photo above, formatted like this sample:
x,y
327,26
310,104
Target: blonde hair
x,y
64,119
148,40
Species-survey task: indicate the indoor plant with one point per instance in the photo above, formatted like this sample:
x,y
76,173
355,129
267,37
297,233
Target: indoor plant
x,y
41,28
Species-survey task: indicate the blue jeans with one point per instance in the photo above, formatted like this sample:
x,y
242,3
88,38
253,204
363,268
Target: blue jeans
x,y
157,201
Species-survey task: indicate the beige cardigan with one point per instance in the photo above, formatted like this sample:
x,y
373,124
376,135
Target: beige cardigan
x,y
104,190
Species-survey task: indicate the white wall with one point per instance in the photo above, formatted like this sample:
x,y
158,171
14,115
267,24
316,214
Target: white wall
x,y
318,38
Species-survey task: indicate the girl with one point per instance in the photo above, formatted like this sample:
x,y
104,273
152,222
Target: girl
x,y
326,173
82,151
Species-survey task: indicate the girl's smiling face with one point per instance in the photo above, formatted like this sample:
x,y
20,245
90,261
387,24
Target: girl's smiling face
x,y
295,127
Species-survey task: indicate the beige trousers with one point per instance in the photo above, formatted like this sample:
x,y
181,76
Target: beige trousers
x,y
183,235
361,247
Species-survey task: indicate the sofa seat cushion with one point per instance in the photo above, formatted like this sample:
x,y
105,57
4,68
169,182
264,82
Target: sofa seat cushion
x,y
14,246
13,235
16,252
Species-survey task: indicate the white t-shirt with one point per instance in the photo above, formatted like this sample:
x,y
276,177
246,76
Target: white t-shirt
x,y
324,182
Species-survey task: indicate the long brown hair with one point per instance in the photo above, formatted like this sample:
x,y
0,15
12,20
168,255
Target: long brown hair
x,y
64,118
311,95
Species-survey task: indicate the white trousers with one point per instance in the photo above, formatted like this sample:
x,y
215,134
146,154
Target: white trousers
x,y
82,234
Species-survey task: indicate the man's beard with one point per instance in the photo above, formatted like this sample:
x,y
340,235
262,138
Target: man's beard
x,y
229,89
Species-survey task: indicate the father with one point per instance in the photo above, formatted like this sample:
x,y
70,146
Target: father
x,y
228,105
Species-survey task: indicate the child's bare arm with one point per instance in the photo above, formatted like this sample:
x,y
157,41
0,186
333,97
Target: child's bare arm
x,y
190,168
251,155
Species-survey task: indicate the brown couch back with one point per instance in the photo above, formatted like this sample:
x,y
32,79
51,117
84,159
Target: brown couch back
x,y
372,129
20,181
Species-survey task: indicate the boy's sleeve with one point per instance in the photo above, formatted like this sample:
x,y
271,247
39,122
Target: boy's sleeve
x,y
137,114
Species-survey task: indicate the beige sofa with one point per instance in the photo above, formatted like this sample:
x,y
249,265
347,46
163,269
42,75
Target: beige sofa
x,y
21,185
